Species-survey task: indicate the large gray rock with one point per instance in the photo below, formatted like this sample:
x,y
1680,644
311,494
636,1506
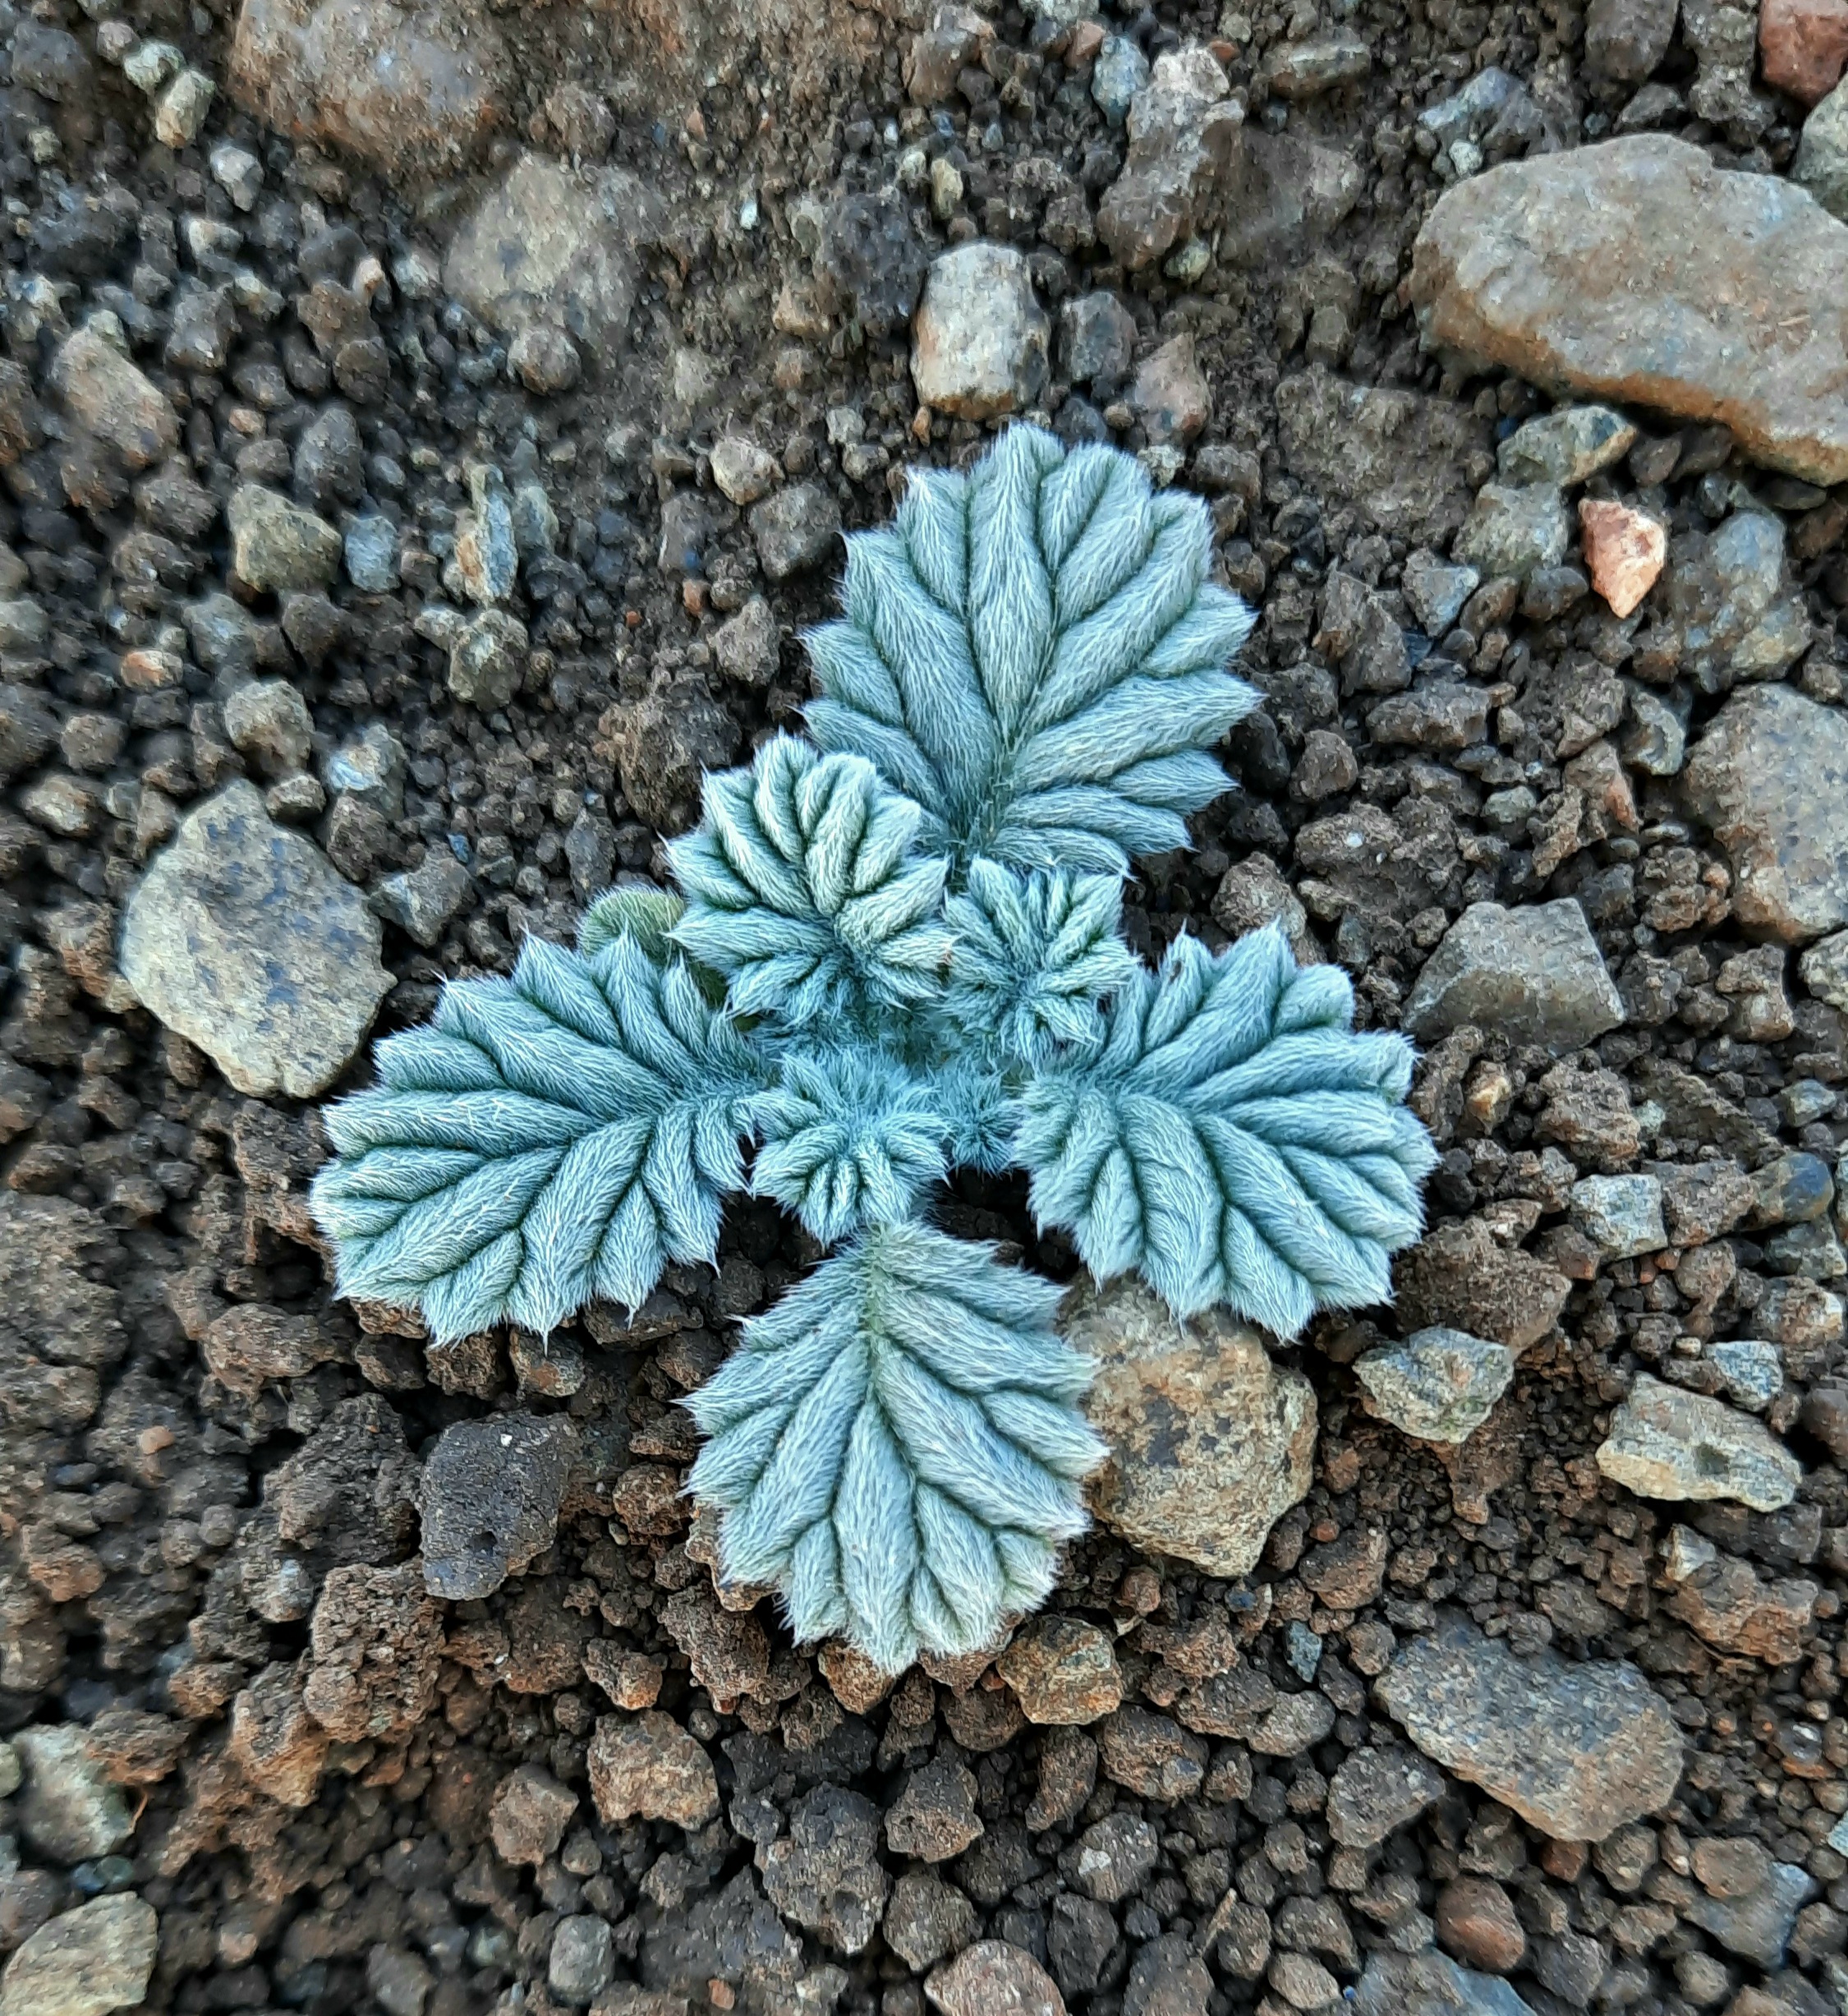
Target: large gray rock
x,y
1566,446
1770,777
1534,975
490,1496
1577,1749
978,344
583,1960
872,261
241,937
548,245
69,1812
1210,1443
487,659
85,1962
1512,269
1667,1443
1097,339
927,1919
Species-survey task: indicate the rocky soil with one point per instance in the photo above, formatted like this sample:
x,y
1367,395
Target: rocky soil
x,y
426,433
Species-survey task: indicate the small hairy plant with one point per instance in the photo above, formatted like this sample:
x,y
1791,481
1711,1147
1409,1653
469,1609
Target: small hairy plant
x,y
897,949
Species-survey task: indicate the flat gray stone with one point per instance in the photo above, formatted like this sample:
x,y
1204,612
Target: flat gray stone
x,y
1730,607
825,1872
1378,1790
551,246
1398,456
1621,1215
1535,974
1430,1984
104,389
1578,1750
1437,591
1440,1385
1770,777
489,1497
243,938
275,544
421,900
85,1961
69,1812
1757,1927
1564,447
1514,529
1667,1443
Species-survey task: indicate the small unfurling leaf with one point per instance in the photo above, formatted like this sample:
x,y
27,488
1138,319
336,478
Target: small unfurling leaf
x,y
805,890
850,1138
648,916
1035,956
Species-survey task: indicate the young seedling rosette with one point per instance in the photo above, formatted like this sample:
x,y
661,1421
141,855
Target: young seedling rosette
x,y
896,948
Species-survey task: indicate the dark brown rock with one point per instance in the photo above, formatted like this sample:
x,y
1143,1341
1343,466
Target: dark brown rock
x,y
648,1764
529,1815
1477,1923
1462,1277
414,89
1063,1671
